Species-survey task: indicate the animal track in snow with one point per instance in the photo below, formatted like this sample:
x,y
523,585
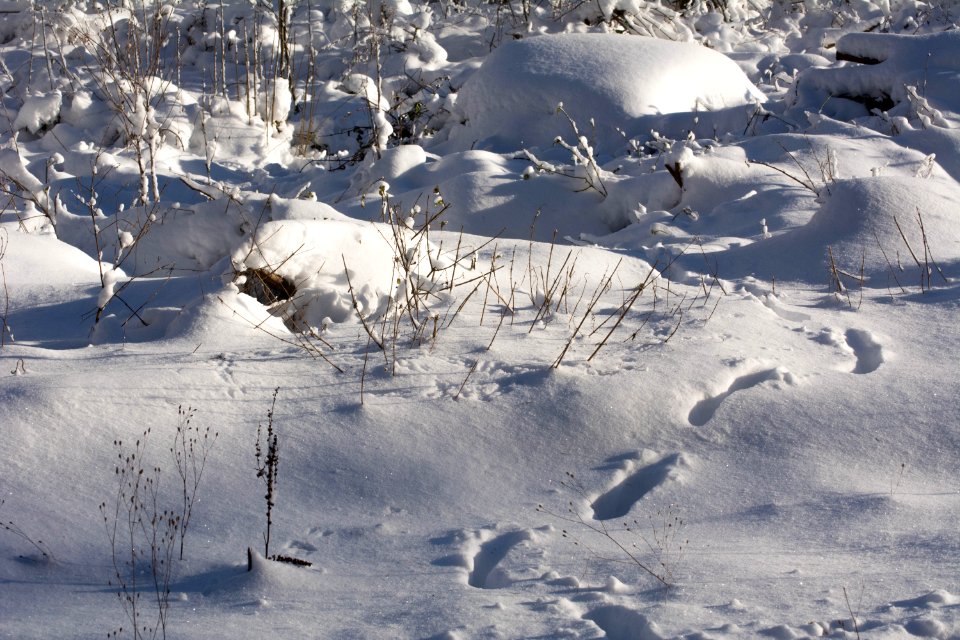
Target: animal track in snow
x,y
480,379
772,302
485,573
704,410
617,502
865,347
226,369
621,623
302,545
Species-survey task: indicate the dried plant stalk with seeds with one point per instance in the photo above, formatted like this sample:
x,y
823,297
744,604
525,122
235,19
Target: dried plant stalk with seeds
x,y
267,453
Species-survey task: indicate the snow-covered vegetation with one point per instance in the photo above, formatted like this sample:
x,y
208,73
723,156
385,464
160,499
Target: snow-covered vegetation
x,y
632,319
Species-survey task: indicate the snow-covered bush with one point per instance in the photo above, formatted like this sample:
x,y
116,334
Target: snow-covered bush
x,y
124,49
883,77
39,111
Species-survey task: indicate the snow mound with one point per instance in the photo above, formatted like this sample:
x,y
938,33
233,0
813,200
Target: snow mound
x,y
610,78
169,237
392,164
913,76
619,623
858,223
936,598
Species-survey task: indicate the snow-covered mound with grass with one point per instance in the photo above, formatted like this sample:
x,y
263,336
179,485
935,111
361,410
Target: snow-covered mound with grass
x,y
604,82
883,230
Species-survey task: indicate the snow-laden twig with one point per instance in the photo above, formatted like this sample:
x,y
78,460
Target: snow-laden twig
x,y
584,164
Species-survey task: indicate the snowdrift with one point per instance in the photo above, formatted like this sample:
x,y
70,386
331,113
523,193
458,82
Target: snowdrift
x,y
877,228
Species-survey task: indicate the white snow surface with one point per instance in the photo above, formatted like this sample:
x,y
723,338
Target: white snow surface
x,y
605,79
38,111
696,378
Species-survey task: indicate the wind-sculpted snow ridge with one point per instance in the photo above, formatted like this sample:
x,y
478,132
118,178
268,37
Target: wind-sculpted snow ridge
x,y
688,372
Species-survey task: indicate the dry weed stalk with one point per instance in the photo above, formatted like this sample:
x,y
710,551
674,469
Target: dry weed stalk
x,y
309,342
625,308
5,329
476,362
128,70
897,479
605,281
39,545
584,168
853,616
889,265
21,185
928,265
837,275
616,318
423,273
836,283
828,167
554,292
142,539
268,462
190,449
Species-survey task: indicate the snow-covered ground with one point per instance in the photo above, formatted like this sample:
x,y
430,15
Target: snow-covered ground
x,y
627,319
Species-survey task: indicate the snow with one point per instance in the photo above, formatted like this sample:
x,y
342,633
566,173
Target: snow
x,y
909,71
689,372
39,111
871,225
604,79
